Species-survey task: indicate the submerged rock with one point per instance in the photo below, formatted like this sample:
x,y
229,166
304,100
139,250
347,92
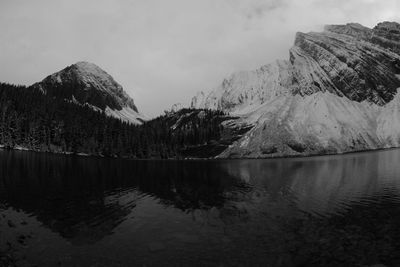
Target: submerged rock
x,y
156,246
11,224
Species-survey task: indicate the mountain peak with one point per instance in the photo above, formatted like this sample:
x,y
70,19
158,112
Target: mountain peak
x,y
85,64
90,74
88,84
89,67
352,29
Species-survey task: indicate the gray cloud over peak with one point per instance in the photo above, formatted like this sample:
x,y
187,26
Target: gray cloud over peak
x,y
162,52
264,7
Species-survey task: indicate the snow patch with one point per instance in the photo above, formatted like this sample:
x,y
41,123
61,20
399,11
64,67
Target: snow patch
x,y
126,114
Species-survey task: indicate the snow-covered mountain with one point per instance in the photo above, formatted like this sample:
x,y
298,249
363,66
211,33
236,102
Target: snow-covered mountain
x,y
337,93
87,84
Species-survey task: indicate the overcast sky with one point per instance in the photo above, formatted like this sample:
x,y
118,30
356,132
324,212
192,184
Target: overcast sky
x,y
164,51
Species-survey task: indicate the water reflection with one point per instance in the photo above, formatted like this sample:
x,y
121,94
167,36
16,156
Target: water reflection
x,y
324,185
285,208
78,196
65,191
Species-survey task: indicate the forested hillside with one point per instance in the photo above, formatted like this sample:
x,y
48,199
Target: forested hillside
x,y
35,121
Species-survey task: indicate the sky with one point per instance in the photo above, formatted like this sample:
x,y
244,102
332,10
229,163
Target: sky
x,y
164,51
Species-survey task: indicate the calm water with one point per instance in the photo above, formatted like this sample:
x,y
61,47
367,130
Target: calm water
x,y
322,211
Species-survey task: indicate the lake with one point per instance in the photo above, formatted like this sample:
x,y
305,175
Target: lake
x,y
58,210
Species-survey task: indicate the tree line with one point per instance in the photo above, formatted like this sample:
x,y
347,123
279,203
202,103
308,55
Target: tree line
x,y
33,120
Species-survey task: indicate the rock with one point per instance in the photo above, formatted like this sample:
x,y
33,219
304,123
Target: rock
x,y
363,74
156,246
23,263
226,240
214,213
11,224
188,238
22,239
198,216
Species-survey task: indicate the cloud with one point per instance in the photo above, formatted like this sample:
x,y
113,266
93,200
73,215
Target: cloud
x,y
257,8
162,52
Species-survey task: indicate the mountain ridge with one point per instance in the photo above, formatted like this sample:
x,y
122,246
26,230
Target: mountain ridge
x,y
337,93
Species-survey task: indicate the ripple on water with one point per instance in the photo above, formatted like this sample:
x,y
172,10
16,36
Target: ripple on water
x,y
144,212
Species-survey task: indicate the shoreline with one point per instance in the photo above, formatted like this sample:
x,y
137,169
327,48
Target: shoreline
x,y
80,154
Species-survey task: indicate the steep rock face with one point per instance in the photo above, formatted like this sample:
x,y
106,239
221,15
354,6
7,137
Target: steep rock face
x,y
360,70
387,35
86,83
337,93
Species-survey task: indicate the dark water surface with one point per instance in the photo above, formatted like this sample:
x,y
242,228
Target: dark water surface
x,y
322,211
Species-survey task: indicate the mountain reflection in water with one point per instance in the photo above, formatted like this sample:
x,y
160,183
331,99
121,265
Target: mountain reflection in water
x,y
73,193
324,185
143,212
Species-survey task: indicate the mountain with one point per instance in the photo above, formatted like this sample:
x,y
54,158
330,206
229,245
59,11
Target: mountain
x,y
337,93
87,84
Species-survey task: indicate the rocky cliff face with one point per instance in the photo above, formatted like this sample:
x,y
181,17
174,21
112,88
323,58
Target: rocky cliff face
x,y
336,93
356,66
87,84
